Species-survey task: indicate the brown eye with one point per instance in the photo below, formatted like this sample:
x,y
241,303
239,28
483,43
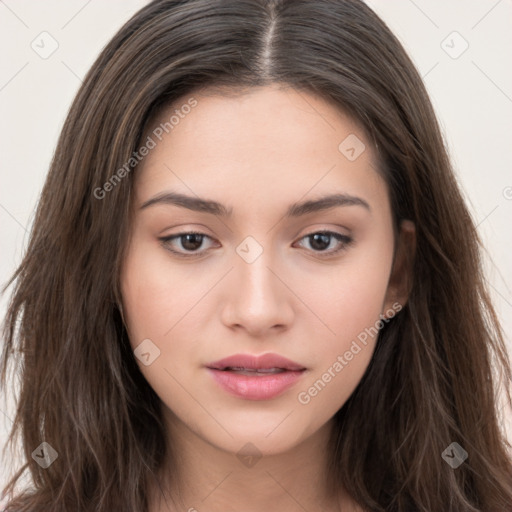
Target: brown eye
x,y
191,241
188,242
322,240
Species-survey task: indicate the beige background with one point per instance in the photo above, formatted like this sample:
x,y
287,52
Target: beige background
x,y
471,91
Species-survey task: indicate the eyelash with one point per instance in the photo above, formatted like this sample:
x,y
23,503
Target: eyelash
x,y
345,241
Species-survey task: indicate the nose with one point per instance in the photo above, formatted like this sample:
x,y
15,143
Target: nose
x,y
258,299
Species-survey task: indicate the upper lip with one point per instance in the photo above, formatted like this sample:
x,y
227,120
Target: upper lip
x,y
265,361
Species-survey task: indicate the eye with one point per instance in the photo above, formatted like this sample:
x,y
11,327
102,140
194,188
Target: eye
x,y
322,240
190,242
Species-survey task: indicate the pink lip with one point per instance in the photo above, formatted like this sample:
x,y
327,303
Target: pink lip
x,y
268,360
262,387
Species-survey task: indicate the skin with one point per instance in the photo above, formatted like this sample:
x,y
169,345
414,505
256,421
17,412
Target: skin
x,y
257,153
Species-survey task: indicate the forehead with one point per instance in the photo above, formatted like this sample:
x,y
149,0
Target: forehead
x,y
261,143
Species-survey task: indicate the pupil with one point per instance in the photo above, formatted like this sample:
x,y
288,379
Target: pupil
x,y
192,241
320,240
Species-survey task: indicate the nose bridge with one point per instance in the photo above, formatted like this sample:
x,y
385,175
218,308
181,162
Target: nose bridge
x,y
257,300
257,282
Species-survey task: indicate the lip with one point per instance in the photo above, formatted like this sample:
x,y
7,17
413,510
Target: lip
x,y
258,387
265,361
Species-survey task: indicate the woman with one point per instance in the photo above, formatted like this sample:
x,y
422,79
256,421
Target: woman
x,y
252,282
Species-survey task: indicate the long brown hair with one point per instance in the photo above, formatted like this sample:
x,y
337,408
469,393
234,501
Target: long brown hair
x,y
431,381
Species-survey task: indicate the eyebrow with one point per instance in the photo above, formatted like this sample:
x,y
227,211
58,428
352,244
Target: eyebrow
x,y
215,208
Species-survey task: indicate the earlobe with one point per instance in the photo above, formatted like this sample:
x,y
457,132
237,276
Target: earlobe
x,y
401,278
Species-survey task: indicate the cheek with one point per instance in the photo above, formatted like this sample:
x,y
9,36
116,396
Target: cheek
x,y
351,309
143,294
155,294
351,296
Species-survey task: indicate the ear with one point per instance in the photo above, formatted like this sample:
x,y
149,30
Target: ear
x,y
400,279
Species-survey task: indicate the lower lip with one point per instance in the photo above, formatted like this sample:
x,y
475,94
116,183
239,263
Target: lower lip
x,y
256,388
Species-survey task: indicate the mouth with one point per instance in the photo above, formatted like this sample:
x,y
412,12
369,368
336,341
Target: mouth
x,y
252,372
256,378
266,363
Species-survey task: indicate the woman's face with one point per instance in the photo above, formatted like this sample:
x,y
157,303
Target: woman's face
x,y
272,271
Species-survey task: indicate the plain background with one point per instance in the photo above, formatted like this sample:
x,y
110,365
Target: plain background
x,y
470,88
